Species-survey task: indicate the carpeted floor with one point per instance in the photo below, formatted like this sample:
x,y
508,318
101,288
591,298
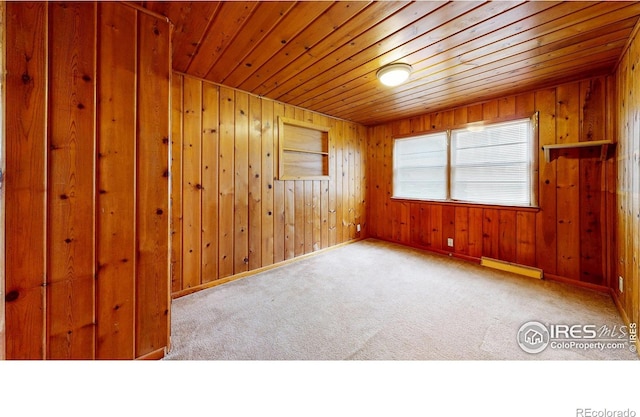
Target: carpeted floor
x,y
381,301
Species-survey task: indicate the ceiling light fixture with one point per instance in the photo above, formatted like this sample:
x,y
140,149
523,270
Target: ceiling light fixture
x,y
394,74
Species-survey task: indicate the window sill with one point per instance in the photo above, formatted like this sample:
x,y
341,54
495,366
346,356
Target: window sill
x,y
533,209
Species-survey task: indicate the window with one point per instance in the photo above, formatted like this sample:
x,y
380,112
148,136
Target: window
x,y
490,164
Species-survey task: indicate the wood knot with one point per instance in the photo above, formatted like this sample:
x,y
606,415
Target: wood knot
x,y
26,78
159,212
12,296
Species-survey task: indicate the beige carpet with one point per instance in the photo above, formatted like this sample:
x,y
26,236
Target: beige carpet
x,y
381,301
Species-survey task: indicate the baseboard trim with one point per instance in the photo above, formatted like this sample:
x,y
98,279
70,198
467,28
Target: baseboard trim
x,y
241,275
153,356
576,283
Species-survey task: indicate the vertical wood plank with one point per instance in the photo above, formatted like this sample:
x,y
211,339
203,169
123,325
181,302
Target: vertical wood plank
x,y
591,193
568,182
525,238
546,226
448,226
176,182
308,216
241,201
491,233
115,238
209,191
279,228
507,239
339,177
226,183
25,208
436,218
475,232
268,173
461,230
332,201
192,183
71,201
3,20
152,290
255,183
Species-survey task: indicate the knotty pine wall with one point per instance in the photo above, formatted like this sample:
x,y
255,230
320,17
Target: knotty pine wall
x,y
230,213
87,200
568,237
628,182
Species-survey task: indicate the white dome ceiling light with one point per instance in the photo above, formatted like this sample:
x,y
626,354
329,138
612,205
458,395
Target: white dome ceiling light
x,y
394,74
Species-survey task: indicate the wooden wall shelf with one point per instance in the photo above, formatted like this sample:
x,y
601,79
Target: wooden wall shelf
x,y
304,150
604,145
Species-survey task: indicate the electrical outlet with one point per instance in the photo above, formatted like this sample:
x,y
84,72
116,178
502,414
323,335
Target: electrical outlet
x,y
621,284
450,242
358,228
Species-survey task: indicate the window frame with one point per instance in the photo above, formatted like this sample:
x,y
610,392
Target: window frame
x,y
534,166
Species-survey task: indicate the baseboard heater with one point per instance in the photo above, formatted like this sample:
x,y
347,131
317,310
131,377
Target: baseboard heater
x,y
511,267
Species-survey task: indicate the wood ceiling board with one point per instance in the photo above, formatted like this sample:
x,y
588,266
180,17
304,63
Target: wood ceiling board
x,y
461,51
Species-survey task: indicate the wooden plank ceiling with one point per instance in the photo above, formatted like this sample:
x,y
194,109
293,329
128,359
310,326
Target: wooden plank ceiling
x,y
324,55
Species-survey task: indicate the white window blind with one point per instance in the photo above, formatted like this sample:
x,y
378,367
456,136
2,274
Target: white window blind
x,y
492,165
420,167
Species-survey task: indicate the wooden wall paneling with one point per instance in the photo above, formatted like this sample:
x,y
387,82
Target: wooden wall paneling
x,y
507,106
592,183
414,224
308,216
460,115
475,238
448,226
354,178
475,113
192,183
241,201
226,181
491,233
25,188
152,290
362,205
116,148
176,180
209,191
268,174
568,181
525,104
623,109
346,151
323,199
280,194
255,182
461,230
387,185
436,218
317,216
507,239
298,198
339,178
332,228
3,23
490,110
632,288
71,200
546,225
525,238
609,250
